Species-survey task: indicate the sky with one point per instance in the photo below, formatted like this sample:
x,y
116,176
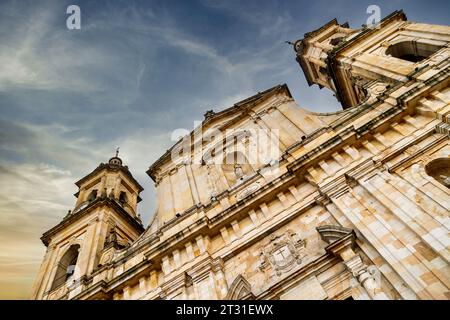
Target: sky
x,y
133,73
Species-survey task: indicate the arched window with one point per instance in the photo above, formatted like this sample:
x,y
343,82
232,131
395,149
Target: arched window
x,y
240,289
123,197
66,266
439,169
235,166
412,51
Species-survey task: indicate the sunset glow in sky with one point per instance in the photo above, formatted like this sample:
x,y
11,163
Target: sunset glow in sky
x,y
136,71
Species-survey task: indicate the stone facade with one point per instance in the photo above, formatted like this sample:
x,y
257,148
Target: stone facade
x,y
355,205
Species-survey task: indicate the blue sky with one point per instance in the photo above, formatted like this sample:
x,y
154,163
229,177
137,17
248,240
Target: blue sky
x,y
135,71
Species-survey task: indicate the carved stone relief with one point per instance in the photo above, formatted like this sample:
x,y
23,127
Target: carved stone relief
x,y
283,252
249,190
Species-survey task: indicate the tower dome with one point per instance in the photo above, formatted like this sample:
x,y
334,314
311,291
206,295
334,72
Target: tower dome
x,y
116,160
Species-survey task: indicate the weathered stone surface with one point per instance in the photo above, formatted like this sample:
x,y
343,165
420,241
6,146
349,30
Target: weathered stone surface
x,y
355,205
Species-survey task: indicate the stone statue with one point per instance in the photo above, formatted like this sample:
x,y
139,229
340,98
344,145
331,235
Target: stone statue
x,y
112,237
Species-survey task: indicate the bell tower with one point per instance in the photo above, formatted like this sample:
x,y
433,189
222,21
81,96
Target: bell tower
x,y
104,219
313,50
357,63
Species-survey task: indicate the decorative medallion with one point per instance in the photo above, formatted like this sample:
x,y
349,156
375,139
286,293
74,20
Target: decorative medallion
x,y
247,191
283,252
107,256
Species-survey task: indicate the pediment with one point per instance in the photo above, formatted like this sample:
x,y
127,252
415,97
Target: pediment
x,y
332,233
239,289
221,121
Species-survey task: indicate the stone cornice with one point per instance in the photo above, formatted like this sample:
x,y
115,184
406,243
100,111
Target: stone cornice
x,y
106,287
325,261
350,134
204,223
332,62
411,157
291,214
347,135
83,212
398,14
155,254
98,291
302,44
239,106
206,226
331,233
110,167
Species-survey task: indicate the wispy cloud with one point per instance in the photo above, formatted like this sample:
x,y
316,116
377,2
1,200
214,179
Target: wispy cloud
x,y
33,197
133,73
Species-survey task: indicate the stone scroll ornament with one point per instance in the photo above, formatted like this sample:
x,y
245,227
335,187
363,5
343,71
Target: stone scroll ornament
x,y
248,191
282,253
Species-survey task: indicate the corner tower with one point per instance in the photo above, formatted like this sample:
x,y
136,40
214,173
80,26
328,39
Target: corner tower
x,y
357,63
104,218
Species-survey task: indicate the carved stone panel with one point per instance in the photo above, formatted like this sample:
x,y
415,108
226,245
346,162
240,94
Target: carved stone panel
x,y
283,252
248,190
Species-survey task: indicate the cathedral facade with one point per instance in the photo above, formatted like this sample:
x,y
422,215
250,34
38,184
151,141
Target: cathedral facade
x,y
266,200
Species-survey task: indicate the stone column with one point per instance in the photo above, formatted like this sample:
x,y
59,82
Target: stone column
x,y
166,267
192,185
343,248
87,248
189,251
153,281
359,270
143,286
102,190
126,293
202,243
176,258
45,275
221,283
117,187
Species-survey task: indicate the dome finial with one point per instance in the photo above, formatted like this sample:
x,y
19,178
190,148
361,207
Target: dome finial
x,y
116,160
